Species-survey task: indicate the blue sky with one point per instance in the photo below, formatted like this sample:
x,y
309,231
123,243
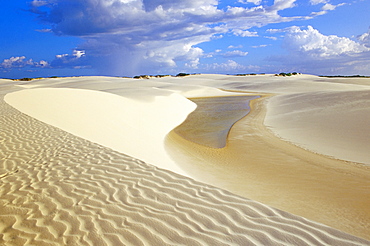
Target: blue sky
x,y
42,38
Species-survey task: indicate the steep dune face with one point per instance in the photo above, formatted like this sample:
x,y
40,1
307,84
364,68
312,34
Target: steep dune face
x,y
134,127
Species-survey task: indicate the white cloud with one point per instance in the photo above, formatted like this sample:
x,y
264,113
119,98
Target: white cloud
x,y
260,46
255,2
277,30
319,13
315,2
235,47
20,62
61,56
235,53
126,37
230,65
271,37
244,33
283,4
311,42
76,60
193,64
44,30
227,54
327,7
78,53
309,51
365,38
42,63
14,62
38,3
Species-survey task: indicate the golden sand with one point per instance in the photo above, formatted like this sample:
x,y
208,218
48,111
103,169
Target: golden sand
x,y
257,164
58,189
69,187
209,127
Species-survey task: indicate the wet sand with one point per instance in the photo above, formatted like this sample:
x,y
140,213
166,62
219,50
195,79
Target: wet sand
x,y
257,164
209,127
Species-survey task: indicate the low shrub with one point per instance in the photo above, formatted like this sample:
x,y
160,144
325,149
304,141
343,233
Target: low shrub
x,y
182,74
25,79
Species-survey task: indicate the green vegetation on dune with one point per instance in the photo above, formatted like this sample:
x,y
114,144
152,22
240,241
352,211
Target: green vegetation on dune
x,y
287,74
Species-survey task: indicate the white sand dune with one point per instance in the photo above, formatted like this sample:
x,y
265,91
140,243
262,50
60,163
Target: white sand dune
x,y
305,113
130,126
328,122
329,116
127,115
59,188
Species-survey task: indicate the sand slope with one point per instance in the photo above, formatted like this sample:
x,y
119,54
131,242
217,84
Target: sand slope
x,y
58,189
325,115
336,120
134,127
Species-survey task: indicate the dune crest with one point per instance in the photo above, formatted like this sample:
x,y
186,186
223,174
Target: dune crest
x,y
134,127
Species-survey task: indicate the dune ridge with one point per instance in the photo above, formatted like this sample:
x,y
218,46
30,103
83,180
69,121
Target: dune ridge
x,y
59,189
134,127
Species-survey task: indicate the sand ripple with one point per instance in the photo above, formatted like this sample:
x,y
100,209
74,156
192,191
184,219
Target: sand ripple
x,y
58,189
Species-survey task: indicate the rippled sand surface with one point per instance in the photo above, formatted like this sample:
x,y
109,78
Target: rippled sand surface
x,y
60,189
257,164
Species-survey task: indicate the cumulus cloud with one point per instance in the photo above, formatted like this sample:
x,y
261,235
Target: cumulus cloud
x,y
75,60
235,53
311,42
315,2
328,6
193,64
325,8
227,54
38,3
126,37
282,4
255,2
230,66
20,62
260,46
311,51
235,47
14,62
365,38
271,37
244,33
